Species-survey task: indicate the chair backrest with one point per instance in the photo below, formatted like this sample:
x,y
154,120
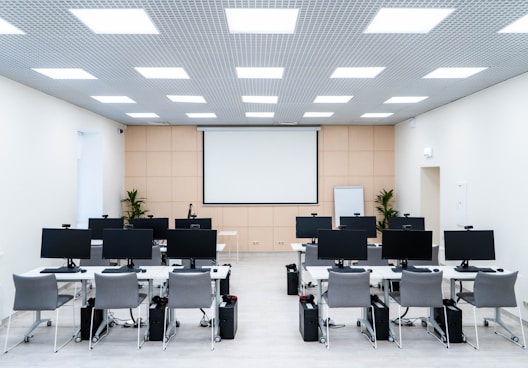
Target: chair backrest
x,y
198,263
348,289
96,257
373,257
190,289
432,262
495,289
154,261
421,289
35,293
310,257
119,290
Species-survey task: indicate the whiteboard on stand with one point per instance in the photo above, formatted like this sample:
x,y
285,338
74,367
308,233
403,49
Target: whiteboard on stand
x,y
348,200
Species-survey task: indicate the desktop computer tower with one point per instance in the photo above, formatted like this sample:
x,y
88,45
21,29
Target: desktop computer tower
x,y
156,319
86,315
228,317
293,281
454,320
381,317
308,320
224,284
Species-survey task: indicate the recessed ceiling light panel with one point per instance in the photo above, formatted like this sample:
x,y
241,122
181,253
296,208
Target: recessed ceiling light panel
x,y
317,114
332,99
260,99
376,115
163,73
264,21
357,72
8,28
260,114
139,115
65,73
116,21
405,99
407,20
453,72
201,115
519,26
188,99
260,73
113,99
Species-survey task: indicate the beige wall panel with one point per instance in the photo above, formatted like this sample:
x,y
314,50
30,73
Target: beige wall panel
x,y
260,216
335,164
159,189
360,138
136,138
260,239
384,163
184,189
361,163
185,138
335,138
159,164
160,209
136,163
235,217
282,238
159,139
185,163
136,182
384,138
284,216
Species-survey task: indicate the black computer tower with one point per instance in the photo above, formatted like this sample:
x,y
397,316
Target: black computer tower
x,y
454,320
86,315
224,284
308,321
156,320
228,318
381,317
293,281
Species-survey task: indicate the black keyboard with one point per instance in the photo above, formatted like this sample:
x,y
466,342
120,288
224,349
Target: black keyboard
x,y
474,269
411,269
347,270
61,270
191,270
121,270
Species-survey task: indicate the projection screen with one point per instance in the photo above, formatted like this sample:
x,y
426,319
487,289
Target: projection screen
x,y
263,165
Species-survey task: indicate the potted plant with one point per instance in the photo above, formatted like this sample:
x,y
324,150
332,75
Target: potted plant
x,y
383,199
134,204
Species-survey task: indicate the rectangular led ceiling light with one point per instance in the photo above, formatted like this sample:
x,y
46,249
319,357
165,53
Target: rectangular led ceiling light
x,y
357,72
260,99
201,115
405,99
332,99
260,114
8,28
163,73
116,21
376,114
65,73
407,20
113,99
519,26
140,115
188,99
260,73
315,114
262,21
453,72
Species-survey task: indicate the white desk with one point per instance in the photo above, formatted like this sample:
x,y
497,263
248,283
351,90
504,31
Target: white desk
x,y
219,248
230,233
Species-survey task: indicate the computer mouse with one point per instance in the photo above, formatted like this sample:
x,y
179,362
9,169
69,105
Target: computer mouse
x,y
500,269
215,270
436,270
143,270
83,270
369,270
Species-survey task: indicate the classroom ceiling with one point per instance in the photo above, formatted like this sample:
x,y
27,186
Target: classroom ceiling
x,y
195,36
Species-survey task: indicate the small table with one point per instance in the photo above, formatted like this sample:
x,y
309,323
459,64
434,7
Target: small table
x,y
231,233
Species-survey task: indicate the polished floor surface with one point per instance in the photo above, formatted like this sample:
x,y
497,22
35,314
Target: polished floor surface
x,y
268,334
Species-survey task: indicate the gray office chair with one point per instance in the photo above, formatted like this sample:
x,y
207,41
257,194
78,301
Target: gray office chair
x,y
422,289
198,263
96,257
432,262
116,291
156,259
310,259
39,293
373,257
494,290
351,290
188,290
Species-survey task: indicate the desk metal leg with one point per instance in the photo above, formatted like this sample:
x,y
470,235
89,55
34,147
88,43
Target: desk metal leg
x,y
216,322
322,326
299,268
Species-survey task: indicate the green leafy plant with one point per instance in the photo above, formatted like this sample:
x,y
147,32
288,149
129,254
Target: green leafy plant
x,y
134,204
384,201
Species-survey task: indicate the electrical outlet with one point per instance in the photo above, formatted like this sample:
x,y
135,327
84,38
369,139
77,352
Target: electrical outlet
x,y
525,303
280,242
255,242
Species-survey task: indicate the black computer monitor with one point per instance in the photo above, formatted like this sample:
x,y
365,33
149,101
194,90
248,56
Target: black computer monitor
x,y
98,224
191,244
193,223
159,226
66,243
307,226
412,223
342,245
404,245
367,223
127,244
466,245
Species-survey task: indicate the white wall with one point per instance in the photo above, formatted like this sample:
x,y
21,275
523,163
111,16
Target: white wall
x,y
480,140
38,174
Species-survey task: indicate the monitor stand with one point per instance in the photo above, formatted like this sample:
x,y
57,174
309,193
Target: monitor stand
x,y
71,267
193,263
129,267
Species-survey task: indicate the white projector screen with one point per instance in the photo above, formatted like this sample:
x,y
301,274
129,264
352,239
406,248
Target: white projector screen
x,y
260,165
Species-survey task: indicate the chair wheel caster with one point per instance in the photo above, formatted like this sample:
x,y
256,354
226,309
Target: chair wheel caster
x,y
486,323
26,338
78,339
424,324
322,340
48,323
391,339
218,339
358,323
95,339
515,338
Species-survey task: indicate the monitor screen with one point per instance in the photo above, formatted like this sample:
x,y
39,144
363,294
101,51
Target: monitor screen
x,y
307,227
342,244
66,243
367,223
191,244
98,224
415,223
127,243
159,225
463,245
195,223
405,245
